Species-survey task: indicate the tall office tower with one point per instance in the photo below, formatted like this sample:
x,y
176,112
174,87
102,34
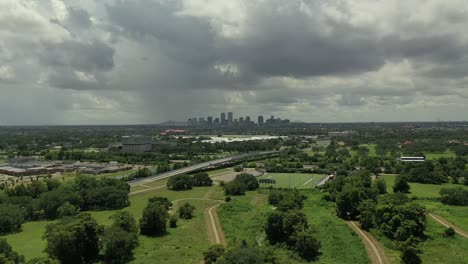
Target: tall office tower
x,y
260,120
216,121
230,117
247,119
241,120
210,120
223,118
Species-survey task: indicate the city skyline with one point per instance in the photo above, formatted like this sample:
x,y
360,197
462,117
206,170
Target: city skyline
x,y
233,121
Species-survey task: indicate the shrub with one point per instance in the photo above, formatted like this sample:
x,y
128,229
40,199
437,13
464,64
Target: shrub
x,y
454,196
186,211
449,232
173,221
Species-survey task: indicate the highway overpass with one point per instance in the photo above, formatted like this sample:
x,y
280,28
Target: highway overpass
x,y
201,166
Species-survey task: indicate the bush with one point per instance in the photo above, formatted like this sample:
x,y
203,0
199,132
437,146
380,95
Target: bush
x,y
449,232
275,197
213,253
454,196
186,211
173,221
162,200
234,188
227,199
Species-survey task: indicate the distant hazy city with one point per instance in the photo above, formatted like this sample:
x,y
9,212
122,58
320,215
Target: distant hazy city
x,y
232,121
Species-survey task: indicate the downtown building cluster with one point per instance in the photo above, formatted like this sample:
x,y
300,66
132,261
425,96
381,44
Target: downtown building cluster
x,y
230,121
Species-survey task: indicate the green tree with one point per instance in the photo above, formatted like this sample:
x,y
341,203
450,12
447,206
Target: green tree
x,y
380,185
73,240
44,260
120,239
213,253
307,245
180,182
234,188
454,196
202,179
401,184
366,214
67,209
154,219
162,200
186,211
11,218
274,197
248,180
7,255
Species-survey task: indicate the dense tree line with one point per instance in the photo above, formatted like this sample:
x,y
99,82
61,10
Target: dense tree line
x,y
186,181
454,196
50,199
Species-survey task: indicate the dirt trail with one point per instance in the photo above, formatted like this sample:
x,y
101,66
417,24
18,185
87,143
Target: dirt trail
x,y
211,219
374,249
214,226
446,223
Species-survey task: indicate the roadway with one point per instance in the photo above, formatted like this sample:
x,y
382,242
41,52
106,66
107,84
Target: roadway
x,y
200,166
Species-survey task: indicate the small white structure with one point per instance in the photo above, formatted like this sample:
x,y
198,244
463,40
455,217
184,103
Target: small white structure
x,y
411,159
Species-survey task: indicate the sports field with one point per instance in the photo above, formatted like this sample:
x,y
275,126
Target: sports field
x,y
294,180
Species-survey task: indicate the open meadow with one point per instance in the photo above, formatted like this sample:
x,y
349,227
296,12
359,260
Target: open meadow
x,y
244,218
294,180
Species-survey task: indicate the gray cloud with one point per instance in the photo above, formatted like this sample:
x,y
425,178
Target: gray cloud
x,y
152,60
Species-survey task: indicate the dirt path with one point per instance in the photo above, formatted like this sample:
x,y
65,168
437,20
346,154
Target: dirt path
x,y
211,219
373,248
214,226
446,223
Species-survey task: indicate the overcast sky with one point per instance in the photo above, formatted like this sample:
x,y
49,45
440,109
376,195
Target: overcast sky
x,y
148,61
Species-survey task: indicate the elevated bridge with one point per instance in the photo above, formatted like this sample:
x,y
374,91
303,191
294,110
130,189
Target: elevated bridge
x,y
202,166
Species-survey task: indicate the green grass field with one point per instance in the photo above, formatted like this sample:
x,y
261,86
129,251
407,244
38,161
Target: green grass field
x,y
447,154
439,249
419,189
294,180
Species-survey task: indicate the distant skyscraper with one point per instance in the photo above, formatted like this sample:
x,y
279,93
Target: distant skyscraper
x,y
223,118
241,120
260,120
247,119
216,121
230,117
210,120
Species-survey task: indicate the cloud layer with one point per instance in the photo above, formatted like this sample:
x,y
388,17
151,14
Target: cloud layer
x,y
147,61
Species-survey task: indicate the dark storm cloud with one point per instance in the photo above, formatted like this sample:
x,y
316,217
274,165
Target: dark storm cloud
x,y
89,57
